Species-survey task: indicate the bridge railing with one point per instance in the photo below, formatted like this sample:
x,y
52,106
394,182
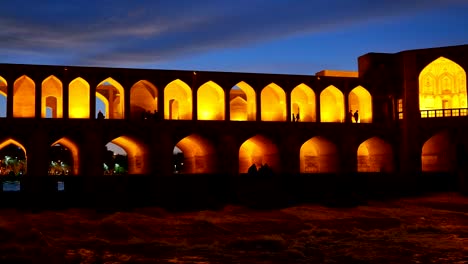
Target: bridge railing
x,y
455,112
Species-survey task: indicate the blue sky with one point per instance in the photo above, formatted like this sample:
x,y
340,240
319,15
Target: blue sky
x,y
291,37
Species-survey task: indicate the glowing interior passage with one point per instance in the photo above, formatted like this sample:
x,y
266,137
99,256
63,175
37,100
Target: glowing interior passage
x,y
318,155
210,102
24,94
303,103
52,97
199,155
360,100
273,103
258,151
242,103
136,154
143,98
375,155
331,105
73,148
78,98
114,96
177,101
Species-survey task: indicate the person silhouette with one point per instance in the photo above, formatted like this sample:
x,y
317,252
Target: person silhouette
x,y
356,116
349,117
297,117
100,115
293,117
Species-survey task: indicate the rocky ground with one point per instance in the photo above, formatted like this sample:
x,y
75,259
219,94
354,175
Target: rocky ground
x,y
429,229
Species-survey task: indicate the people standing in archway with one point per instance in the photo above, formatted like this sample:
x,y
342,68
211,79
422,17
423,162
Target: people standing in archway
x,y
356,116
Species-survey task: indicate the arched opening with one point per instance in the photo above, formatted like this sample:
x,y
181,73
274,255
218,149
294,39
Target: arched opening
x,y
143,100
3,97
198,155
52,98
24,94
177,101
13,163
102,105
114,94
64,158
256,152
331,105
78,98
273,103
318,155
242,103
436,154
303,103
442,85
360,100
210,102
126,155
375,155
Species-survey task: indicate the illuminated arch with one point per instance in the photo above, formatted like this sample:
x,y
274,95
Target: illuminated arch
x,y
242,103
115,96
177,101
24,94
52,97
210,102
73,148
143,98
436,153
137,153
303,103
199,155
22,167
375,155
442,85
331,105
318,155
361,100
78,98
3,97
273,103
258,150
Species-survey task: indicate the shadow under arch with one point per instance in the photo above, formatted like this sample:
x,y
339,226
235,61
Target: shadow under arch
x,y
115,96
331,105
20,168
303,103
52,97
273,103
361,100
73,148
24,97
137,154
199,155
242,103
143,98
78,98
318,155
442,85
210,102
177,101
437,154
375,155
258,150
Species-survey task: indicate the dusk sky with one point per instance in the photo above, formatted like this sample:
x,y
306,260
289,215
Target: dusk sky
x,y
292,37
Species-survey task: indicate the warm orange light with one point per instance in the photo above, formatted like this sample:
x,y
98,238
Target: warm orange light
x,y
177,101
136,154
143,98
24,94
360,99
258,150
436,154
78,98
273,103
242,103
52,97
74,151
115,97
318,155
210,102
199,154
331,105
303,103
3,86
375,155
442,85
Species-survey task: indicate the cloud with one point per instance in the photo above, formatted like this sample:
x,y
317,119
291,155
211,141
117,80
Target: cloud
x,y
140,32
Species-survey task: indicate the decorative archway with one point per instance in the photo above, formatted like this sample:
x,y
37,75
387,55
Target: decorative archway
x,y
242,102
78,99
114,94
318,155
136,155
70,150
52,97
258,151
14,158
210,102
198,154
24,97
361,100
332,105
375,155
177,101
273,103
303,103
143,99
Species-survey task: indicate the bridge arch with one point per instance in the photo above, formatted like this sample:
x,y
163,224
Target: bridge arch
x,y
73,149
78,98
177,101
143,98
331,105
24,97
210,102
375,155
273,103
52,97
318,155
361,100
3,97
114,94
258,150
137,153
303,103
199,155
16,164
436,154
242,102
442,85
